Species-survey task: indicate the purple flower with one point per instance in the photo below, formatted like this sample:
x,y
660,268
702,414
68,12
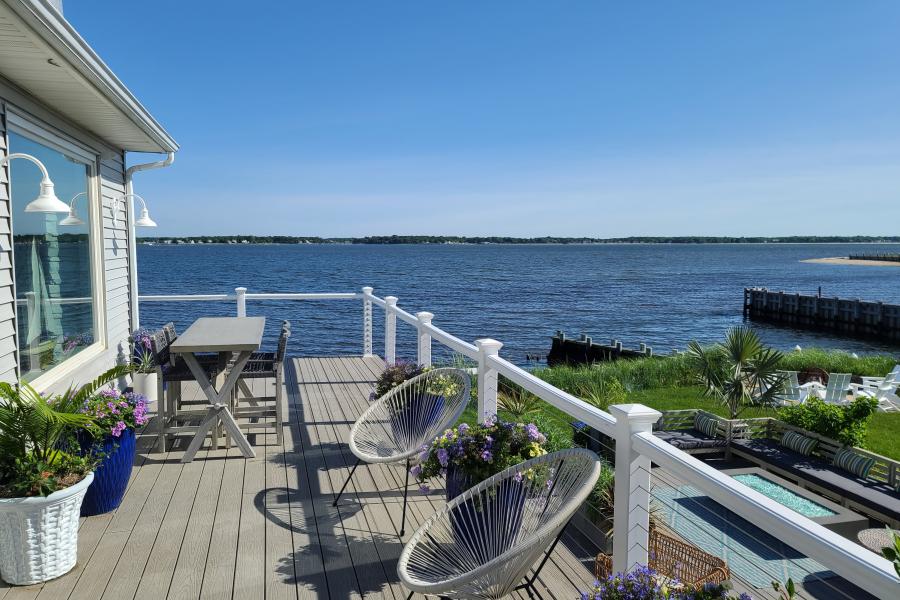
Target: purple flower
x,y
463,428
443,457
416,470
532,431
109,393
424,489
517,477
118,428
486,456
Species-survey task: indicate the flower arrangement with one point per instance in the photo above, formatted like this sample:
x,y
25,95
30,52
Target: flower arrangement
x,y
643,584
479,451
394,375
142,351
113,412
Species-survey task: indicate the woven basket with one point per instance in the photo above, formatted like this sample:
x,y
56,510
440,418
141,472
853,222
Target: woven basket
x,y
39,535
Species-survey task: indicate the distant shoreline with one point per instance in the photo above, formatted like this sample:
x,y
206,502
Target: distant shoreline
x,y
497,240
843,260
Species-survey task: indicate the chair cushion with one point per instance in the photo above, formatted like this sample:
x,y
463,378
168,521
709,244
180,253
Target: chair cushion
x,y
798,443
848,460
706,424
690,439
875,495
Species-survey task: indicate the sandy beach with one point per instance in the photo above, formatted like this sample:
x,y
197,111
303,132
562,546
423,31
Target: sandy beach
x,y
843,260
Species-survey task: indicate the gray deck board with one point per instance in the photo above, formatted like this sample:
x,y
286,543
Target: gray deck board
x,y
225,527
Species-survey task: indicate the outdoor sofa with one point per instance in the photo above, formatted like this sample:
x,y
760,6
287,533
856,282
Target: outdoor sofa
x,y
760,441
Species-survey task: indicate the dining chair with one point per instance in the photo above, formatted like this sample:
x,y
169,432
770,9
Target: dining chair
x,y
263,411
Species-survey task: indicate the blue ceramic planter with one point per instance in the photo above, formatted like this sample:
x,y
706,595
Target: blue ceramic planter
x,y
111,475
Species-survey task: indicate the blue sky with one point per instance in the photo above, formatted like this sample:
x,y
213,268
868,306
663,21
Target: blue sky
x,y
515,118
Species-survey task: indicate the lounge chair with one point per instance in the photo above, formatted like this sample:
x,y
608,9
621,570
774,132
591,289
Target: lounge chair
x,y
791,392
837,388
482,543
883,389
396,426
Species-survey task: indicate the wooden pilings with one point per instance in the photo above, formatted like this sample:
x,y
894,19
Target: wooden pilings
x,y
585,351
858,318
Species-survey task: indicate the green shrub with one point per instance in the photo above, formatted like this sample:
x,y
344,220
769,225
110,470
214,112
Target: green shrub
x,y
847,424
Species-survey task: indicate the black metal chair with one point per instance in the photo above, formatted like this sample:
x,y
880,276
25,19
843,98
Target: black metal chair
x,y
264,410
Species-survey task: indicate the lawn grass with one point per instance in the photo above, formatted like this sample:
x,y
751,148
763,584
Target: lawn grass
x,y
884,435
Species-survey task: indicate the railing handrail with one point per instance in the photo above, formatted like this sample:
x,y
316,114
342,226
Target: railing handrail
x,y
865,569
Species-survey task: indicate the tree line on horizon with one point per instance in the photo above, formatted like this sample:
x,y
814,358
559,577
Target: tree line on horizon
x,y
442,239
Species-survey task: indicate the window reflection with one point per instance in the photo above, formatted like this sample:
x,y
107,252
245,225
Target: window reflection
x,y
52,261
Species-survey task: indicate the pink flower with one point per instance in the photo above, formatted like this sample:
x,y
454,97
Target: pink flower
x,y
118,428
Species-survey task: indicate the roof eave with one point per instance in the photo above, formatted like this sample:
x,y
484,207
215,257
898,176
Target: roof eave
x,y
46,20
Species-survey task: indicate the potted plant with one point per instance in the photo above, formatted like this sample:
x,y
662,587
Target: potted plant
x,y
470,454
42,485
394,375
111,442
143,366
643,583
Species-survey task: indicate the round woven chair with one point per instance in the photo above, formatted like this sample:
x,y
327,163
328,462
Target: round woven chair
x,y
484,541
397,425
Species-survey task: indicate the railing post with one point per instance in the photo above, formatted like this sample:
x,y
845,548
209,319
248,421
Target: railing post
x,y
390,330
631,516
241,294
487,379
424,346
367,321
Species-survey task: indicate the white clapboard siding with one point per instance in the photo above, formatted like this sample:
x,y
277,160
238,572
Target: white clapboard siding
x,y
117,278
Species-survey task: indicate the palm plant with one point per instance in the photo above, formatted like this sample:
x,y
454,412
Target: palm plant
x,y
33,429
740,371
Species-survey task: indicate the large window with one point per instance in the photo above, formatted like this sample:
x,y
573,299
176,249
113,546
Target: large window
x,y
54,297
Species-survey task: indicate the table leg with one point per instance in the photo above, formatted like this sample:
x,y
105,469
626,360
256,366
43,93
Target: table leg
x,y
210,420
218,400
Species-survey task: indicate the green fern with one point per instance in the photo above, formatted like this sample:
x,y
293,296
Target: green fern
x,y
33,428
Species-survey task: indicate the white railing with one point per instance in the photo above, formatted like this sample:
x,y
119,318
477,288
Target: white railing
x,y
630,425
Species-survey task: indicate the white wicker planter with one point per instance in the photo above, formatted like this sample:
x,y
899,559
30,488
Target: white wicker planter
x,y
39,536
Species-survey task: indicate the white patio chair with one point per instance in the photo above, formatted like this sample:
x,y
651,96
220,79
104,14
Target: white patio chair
x,y
883,389
397,425
791,392
484,541
837,387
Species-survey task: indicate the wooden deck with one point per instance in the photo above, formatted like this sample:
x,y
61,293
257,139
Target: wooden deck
x,y
225,527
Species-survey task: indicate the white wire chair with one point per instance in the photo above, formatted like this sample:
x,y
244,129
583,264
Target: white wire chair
x,y
485,540
397,425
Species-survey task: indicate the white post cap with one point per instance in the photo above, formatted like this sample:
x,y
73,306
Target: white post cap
x,y
424,317
488,346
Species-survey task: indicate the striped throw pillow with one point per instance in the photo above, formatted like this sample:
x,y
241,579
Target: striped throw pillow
x,y
798,443
852,462
706,425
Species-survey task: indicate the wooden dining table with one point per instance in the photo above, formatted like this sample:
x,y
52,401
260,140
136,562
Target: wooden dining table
x,y
234,339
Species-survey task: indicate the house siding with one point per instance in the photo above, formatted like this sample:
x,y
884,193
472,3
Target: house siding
x,y
114,262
